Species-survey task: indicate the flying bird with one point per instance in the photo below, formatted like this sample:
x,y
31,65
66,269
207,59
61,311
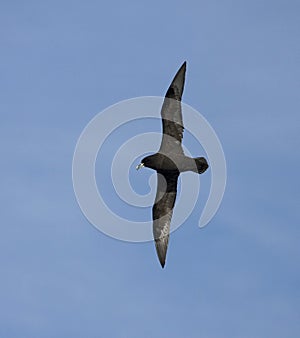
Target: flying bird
x,y
169,162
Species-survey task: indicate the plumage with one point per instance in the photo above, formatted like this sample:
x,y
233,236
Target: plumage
x,y
169,162
162,212
172,116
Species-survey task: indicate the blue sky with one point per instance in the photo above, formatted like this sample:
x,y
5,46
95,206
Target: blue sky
x,y
64,61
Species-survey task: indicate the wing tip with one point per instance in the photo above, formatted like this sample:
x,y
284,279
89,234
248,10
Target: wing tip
x,y
162,261
161,249
176,87
182,68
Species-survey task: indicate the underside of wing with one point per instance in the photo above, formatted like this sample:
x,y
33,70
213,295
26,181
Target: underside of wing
x,y
172,116
162,212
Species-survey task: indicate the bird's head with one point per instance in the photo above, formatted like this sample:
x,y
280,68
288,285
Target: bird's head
x,y
146,162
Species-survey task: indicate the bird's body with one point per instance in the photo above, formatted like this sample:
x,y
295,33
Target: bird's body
x,y
172,163
169,162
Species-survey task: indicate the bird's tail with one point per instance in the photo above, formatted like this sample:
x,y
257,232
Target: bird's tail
x,y
201,164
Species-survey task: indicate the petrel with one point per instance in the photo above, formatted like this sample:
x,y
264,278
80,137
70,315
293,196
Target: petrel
x,y
169,162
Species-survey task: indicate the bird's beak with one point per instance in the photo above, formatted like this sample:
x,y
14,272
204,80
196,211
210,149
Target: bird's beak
x,y
141,165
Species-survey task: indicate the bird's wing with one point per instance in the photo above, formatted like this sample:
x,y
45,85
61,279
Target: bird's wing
x,y
162,212
172,116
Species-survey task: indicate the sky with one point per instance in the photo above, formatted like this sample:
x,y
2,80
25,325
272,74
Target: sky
x,y
62,62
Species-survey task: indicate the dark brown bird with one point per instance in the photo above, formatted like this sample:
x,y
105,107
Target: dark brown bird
x,y
169,162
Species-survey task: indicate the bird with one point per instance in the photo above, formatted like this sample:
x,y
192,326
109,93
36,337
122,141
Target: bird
x,y
169,162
